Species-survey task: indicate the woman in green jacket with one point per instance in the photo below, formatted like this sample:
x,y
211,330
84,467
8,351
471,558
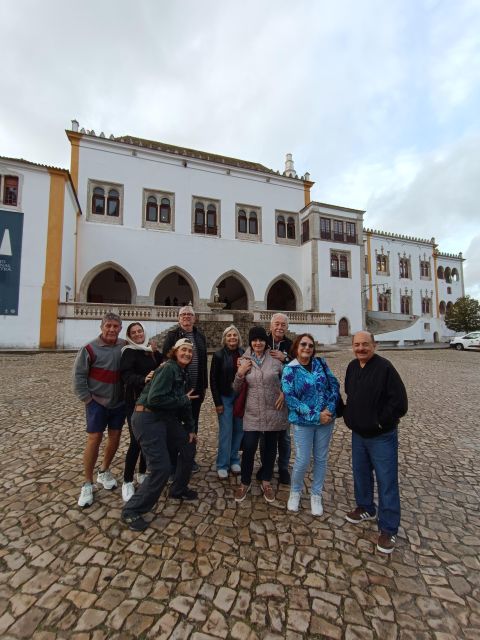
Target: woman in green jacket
x,y
162,420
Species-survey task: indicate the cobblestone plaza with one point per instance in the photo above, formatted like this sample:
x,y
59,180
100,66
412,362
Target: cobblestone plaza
x,y
215,569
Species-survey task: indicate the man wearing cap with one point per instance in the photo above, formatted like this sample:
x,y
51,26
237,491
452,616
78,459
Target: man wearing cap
x,y
97,383
197,369
376,400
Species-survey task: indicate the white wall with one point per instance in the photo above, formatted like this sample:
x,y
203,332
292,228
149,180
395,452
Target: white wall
x,y
23,330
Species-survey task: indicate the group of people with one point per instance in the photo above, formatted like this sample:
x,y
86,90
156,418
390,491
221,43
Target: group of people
x,y
263,395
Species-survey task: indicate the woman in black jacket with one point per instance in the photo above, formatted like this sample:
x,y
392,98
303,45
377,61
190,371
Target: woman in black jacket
x,y
139,360
222,373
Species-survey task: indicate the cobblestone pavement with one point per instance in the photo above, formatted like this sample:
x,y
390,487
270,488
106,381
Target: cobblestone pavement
x,y
218,570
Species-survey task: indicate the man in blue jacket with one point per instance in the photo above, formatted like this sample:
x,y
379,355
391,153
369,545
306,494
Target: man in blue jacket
x,y
376,400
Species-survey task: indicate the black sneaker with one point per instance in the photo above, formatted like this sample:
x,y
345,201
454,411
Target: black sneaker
x,y
284,476
186,494
135,523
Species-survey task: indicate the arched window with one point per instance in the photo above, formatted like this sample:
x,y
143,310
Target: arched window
x,y
291,228
382,302
152,209
253,223
448,275
426,306
113,203
382,265
242,221
211,219
165,210
440,273
455,275
343,266
281,227
442,308
404,271
334,265
424,269
199,217
405,305
449,307
98,201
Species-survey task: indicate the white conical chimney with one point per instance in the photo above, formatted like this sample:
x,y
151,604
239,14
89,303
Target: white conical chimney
x,y
289,167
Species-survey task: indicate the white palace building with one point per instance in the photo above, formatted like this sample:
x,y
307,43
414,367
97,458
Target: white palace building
x,y
141,227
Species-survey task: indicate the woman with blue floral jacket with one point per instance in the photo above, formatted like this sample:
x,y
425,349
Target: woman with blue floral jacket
x,y
311,393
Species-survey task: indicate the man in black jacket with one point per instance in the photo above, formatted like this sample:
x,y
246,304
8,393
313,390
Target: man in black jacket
x,y
376,400
197,369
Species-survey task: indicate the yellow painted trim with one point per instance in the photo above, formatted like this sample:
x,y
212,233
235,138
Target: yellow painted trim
x,y
74,138
369,272
306,191
437,305
53,261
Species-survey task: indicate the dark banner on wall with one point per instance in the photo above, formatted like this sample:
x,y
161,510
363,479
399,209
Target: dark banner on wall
x,y
11,227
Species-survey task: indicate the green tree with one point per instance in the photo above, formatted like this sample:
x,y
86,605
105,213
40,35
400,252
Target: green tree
x,y
464,315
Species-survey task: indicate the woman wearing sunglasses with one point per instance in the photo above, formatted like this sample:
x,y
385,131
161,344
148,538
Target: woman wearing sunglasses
x,y
311,393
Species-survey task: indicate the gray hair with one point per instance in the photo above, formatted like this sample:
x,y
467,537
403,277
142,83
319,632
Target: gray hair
x,y
111,317
369,334
188,307
232,327
279,316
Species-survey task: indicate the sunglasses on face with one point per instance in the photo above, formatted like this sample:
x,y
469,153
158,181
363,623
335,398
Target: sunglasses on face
x,y
306,345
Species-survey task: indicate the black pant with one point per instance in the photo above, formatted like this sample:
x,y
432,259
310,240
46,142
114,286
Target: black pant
x,y
284,449
196,406
250,444
133,453
184,452
151,434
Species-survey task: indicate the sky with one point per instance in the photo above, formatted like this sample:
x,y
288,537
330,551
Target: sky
x,y
378,101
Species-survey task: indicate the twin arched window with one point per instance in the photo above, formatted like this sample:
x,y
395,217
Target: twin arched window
x,y
405,305
383,302
404,268
247,224
158,211
286,227
112,202
205,218
382,263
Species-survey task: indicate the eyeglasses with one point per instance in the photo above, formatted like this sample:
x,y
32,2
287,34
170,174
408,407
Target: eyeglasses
x,y
306,345
182,315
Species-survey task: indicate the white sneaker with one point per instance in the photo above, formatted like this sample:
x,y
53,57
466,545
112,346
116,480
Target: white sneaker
x,y
236,469
293,501
141,477
317,506
222,474
86,495
106,479
127,491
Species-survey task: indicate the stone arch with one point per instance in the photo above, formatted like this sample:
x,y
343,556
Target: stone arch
x,y
119,295
442,307
281,286
343,327
436,337
232,293
172,289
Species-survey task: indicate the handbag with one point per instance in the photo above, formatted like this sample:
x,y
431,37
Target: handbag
x,y
240,401
340,405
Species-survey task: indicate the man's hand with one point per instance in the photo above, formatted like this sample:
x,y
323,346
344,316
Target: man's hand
x,y
278,355
192,437
148,377
219,409
190,395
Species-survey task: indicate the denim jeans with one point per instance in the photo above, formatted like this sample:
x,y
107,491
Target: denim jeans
x,y
379,454
308,440
230,433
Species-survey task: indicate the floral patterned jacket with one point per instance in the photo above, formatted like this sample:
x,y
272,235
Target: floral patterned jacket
x,y
307,393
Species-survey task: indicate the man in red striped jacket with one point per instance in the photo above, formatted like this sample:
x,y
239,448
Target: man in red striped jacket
x,y
97,383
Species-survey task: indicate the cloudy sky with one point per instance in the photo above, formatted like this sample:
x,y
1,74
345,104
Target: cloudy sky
x,y
379,101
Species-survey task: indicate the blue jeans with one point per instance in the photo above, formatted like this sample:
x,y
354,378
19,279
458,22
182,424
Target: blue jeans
x,y
313,439
379,454
230,433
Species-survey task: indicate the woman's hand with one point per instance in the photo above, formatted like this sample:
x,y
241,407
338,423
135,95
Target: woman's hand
x,y
149,376
190,395
279,402
192,437
219,409
325,416
244,367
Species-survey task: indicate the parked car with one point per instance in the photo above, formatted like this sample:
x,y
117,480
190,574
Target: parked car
x,y
469,341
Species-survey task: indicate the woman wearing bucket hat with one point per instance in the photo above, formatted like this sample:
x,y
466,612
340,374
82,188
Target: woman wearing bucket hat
x,y
264,411
163,420
139,360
